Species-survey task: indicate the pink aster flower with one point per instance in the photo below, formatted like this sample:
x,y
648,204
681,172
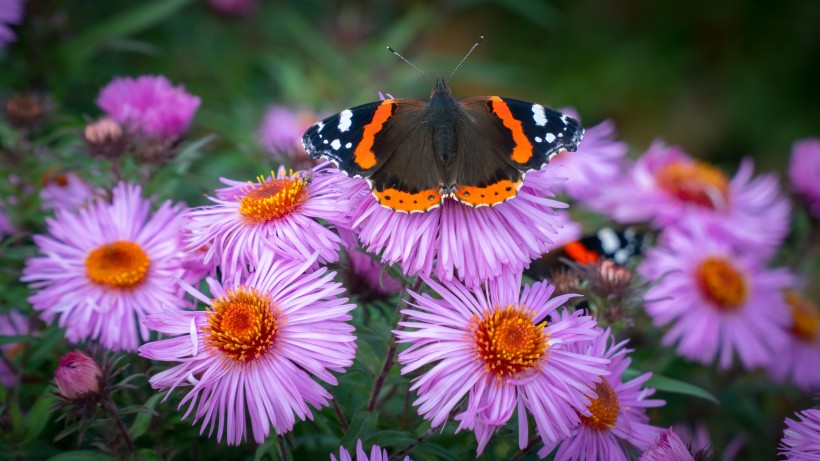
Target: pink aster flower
x,y
804,171
500,349
12,323
598,162
280,213
803,346
105,266
456,241
77,375
149,104
667,447
718,301
11,13
666,184
256,349
618,419
801,438
376,454
281,134
66,191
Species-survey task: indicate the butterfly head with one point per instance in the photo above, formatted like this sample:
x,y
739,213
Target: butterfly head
x,y
441,88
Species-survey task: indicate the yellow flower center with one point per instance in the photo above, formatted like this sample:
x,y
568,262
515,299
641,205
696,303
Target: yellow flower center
x,y
604,409
508,341
121,264
805,315
243,324
695,182
272,199
721,283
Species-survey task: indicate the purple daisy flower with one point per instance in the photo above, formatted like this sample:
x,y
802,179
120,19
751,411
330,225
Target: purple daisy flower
x,y
12,323
804,171
66,191
618,419
280,213
257,348
456,241
376,454
666,183
718,301
149,104
599,161
667,447
801,438
281,134
6,227
496,349
11,13
107,266
803,346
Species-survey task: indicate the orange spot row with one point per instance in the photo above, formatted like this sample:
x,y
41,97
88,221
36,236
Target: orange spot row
x,y
487,196
580,254
523,148
407,202
364,156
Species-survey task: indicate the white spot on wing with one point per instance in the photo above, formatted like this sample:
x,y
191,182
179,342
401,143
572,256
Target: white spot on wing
x,y
539,115
345,120
325,141
609,240
336,144
319,126
348,145
538,139
550,137
564,119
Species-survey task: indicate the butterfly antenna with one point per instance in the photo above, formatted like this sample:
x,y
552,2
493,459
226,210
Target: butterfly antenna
x,y
465,57
411,64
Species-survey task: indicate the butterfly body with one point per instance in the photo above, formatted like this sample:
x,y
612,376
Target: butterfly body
x,y
415,153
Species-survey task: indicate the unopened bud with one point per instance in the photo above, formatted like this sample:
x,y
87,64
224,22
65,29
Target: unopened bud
x,y
105,138
77,375
26,110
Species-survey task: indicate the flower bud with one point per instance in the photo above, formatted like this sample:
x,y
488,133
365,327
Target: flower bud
x,y
26,110
105,138
77,375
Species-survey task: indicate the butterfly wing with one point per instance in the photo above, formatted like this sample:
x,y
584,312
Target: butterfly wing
x,y
388,143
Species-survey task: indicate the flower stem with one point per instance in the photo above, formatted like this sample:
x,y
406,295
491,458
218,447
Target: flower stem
x,y
112,413
283,449
390,358
340,415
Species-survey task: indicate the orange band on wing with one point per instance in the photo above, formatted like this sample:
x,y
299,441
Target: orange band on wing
x,y
487,196
580,254
407,202
364,156
522,152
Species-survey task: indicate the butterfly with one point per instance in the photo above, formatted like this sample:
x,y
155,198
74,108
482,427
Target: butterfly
x,y
416,153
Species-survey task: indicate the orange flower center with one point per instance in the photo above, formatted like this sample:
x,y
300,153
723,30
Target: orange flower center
x,y
604,409
274,198
508,341
695,182
121,264
805,315
721,283
243,324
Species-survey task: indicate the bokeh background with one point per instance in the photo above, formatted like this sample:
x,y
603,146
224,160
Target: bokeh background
x,y
723,79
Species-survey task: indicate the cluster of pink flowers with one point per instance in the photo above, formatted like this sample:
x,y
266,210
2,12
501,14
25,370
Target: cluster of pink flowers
x,y
481,346
11,13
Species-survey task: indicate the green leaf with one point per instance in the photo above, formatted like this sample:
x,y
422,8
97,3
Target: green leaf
x,y
143,419
362,423
147,454
81,455
39,415
268,448
391,439
666,384
14,339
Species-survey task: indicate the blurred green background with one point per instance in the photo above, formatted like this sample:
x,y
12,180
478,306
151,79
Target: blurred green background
x,y
723,79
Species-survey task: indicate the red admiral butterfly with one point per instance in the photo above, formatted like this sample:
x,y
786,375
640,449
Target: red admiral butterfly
x,y
415,153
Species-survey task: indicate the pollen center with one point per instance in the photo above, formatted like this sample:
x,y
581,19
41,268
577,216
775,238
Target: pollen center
x,y
695,182
121,264
243,324
721,283
604,409
805,316
508,341
274,198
